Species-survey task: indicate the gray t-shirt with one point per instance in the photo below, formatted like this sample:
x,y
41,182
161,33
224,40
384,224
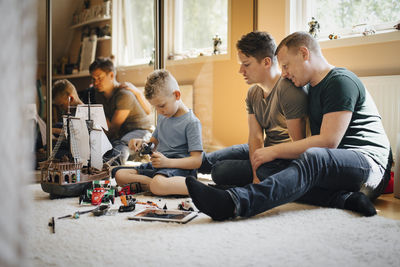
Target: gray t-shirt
x,y
120,100
178,136
284,102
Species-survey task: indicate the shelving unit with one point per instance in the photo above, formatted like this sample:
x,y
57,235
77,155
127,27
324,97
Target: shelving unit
x,y
103,44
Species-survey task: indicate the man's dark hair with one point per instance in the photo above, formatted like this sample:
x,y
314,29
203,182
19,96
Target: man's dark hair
x,y
105,64
258,45
298,39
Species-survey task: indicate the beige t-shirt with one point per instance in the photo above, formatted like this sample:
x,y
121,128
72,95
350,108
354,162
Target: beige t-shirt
x,y
285,102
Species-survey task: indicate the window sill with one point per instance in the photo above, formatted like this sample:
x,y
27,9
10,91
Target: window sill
x,y
359,39
199,59
172,62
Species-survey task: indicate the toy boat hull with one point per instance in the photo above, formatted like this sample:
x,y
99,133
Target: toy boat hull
x,y
67,190
68,179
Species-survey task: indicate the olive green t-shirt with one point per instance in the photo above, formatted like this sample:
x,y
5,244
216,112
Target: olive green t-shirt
x,y
284,102
124,99
342,90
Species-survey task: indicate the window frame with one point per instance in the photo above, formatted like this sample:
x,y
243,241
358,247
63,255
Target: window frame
x,y
298,12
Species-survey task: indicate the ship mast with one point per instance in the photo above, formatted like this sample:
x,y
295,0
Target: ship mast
x,y
89,124
69,154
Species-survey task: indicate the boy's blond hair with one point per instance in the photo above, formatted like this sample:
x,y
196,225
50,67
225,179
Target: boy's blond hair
x,y
160,82
63,88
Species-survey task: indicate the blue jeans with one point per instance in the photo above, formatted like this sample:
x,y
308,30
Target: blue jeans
x,y
320,176
231,166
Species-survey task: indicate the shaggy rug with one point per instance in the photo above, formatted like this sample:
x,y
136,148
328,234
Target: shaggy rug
x,y
290,235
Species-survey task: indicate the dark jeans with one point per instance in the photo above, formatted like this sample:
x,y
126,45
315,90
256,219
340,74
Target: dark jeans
x,y
231,166
320,176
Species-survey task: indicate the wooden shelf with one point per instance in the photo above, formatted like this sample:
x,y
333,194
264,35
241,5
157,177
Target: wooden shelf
x,y
104,38
90,22
74,75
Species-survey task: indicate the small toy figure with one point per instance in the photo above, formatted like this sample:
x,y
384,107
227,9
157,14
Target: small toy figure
x,y
186,206
369,30
217,44
314,27
128,204
333,36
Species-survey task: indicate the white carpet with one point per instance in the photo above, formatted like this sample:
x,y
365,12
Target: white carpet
x,y
291,235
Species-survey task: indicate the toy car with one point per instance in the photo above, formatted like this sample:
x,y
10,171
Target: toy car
x,y
186,206
98,194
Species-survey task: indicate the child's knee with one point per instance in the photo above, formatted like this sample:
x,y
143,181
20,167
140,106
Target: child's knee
x,y
158,184
122,176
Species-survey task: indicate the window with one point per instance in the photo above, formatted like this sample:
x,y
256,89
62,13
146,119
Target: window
x,y
190,25
134,31
194,26
345,17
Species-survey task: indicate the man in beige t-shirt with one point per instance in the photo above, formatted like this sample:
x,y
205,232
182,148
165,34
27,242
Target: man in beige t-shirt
x,y
276,108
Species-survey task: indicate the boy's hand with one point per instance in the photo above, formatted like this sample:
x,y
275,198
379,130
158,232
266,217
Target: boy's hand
x,y
135,144
158,160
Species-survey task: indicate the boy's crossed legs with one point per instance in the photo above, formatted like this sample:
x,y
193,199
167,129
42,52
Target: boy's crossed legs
x,y
160,184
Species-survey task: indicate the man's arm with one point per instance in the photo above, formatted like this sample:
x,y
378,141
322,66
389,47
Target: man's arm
x,y
256,140
192,162
297,128
117,120
333,128
139,96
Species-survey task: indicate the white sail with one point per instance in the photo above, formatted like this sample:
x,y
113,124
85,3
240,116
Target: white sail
x,y
96,115
100,145
80,138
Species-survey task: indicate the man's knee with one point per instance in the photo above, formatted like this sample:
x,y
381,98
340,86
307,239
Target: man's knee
x,y
219,172
313,153
232,172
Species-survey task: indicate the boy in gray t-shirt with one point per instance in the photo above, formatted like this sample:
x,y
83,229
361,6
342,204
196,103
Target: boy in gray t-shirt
x,y
177,139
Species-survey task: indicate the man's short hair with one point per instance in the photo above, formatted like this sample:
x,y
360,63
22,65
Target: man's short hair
x,y
63,88
103,63
298,39
160,82
258,45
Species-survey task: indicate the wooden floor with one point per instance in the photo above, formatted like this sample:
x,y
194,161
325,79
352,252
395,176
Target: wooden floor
x,y
388,206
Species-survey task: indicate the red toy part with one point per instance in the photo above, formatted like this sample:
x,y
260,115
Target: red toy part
x,y
97,196
389,187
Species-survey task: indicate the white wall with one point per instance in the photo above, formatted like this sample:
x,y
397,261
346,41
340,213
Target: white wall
x,y
17,86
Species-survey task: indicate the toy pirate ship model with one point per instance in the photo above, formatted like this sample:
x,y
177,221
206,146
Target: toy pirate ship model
x,y
83,163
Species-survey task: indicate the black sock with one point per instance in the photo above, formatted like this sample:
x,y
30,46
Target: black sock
x,y
360,203
216,203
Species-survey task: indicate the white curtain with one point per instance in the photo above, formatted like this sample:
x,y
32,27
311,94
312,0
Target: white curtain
x,y
17,88
124,32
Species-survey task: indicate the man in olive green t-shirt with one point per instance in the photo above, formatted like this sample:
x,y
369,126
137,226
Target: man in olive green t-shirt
x,y
276,110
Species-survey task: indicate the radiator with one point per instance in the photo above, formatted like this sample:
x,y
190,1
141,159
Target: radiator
x,y
385,90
